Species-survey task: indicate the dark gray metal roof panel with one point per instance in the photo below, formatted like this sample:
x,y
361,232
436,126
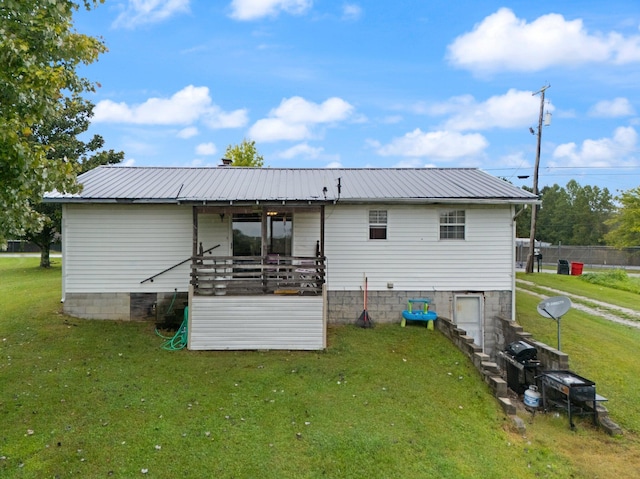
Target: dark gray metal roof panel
x,y
232,184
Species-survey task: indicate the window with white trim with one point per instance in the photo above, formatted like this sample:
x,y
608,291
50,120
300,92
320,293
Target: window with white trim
x,y
377,224
452,224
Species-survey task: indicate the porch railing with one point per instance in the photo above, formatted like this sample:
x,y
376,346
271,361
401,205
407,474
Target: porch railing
x,y
255,275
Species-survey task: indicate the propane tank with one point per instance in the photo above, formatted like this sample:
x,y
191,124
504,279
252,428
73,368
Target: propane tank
x,y
532,397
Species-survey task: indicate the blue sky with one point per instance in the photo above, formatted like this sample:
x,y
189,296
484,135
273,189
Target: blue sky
x,y
408,83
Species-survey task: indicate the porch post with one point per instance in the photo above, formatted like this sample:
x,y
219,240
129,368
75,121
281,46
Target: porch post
x,y
195,232
322,231
263,225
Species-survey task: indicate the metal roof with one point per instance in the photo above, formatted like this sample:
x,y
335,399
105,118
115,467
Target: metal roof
x,y
225,185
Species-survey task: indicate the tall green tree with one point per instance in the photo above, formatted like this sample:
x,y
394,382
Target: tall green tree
x,y
553,222
625,223
591,207
574,214
39,53
60,135
244,154
523,218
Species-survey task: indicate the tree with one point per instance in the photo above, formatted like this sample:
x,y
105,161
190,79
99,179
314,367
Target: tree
x,y
39,54
591,208
574,214
523,218
59,134
244,154
625,224
554,220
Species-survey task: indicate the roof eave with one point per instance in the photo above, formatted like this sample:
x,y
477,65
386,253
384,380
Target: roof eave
x,y
431,201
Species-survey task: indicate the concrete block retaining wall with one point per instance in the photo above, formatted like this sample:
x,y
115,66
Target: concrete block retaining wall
x,y
115,306
122,306
492,368
387,306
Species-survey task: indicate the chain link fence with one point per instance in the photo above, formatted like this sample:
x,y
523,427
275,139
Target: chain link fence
x,y
593,256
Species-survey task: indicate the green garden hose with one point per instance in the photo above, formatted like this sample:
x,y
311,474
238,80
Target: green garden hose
x,y
179,340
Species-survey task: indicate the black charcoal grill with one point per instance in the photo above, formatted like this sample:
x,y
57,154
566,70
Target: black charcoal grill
x,y
567,390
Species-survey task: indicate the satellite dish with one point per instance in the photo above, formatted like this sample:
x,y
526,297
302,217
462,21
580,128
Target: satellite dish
x,y
555,307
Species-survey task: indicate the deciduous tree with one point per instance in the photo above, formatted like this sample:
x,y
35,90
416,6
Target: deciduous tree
x,y
625,224
39,53
60,135
244,154
574,214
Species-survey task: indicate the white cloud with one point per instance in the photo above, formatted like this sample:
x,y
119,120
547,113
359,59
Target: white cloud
x,y
351,11
140,12
299,110
504,42
445,145
183,108
604,152
216,118
206,149
275,129
295,118
514,109
334,164
302,150
409,163
612,108
188,132
128,162
255,9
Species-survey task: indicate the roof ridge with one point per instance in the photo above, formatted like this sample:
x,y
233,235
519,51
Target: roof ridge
x,y
380,168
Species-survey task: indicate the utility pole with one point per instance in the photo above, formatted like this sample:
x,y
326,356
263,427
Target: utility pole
x,y
534,210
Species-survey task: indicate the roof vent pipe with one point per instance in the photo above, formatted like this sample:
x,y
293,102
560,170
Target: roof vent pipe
x,y
226,162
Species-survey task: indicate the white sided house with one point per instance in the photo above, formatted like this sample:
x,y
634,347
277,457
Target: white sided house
x,y
265,257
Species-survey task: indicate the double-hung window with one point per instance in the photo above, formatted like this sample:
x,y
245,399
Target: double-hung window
x,y
378,224
452,225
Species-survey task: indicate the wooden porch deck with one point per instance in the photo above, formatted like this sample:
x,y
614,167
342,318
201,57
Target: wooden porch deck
x,y
257,275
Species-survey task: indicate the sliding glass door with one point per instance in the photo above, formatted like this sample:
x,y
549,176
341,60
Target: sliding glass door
x,y
247,234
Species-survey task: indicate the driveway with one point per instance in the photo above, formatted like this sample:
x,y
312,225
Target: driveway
x,y
601,309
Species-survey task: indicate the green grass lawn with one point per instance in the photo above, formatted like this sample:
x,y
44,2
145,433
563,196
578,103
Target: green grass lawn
x,y
94,399
600,350
613,286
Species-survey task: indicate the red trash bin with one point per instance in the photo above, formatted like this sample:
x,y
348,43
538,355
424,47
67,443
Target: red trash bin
x,y
576,268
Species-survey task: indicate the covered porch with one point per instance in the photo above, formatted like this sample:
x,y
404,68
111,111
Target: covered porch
x,y
253,291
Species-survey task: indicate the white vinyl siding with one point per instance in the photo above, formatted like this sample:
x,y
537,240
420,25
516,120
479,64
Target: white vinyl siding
x,y
257,322
213,230
414,258
112,248
306,233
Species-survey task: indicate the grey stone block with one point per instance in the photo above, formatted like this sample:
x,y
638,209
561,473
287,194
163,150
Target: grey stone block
x,y
499,386
507,406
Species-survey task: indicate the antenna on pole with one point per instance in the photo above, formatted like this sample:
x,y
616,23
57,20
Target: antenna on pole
x,y
534,210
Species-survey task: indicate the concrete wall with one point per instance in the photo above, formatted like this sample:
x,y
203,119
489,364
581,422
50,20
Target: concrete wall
x,y
386,307
124,306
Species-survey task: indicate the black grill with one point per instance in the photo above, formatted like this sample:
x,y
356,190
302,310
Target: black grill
x,y
522,352
569,391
